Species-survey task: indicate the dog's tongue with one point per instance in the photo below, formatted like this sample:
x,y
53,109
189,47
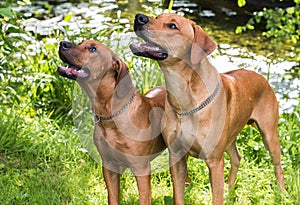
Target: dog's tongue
x,y
148,50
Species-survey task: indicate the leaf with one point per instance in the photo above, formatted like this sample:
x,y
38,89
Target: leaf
x,y
250,27
241,3
15,29
238,30
290,10
68,17
170,6
6,12
294,38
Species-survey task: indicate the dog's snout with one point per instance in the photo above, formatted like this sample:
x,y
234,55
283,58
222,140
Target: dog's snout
x,y
65,45
141,19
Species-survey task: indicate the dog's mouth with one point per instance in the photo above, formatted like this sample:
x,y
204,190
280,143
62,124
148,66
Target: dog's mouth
x,y
149,50
73,72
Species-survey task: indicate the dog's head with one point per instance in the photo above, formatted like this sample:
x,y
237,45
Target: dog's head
x,y
88,61
170,36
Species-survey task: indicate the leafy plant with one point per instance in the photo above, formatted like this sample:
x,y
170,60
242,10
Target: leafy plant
x,y
282,25
27,74
10,33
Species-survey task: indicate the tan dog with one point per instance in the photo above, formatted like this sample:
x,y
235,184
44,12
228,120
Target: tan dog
x,y
206,110
127,131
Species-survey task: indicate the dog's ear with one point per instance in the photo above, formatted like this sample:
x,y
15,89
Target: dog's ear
x,y
120,68
123,79
202,45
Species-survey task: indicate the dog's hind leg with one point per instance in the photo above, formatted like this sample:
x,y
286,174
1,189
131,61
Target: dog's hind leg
x,y
267,122
235,158
271,142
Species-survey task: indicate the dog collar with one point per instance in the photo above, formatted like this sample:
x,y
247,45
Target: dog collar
x,y
99,119
202,105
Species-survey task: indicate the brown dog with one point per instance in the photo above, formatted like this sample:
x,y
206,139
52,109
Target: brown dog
x,y
206,110
127,131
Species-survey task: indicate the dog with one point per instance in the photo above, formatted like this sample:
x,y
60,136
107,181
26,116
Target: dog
x,y
205,110
127,124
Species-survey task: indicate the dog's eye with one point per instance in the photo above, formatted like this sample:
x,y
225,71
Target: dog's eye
x,y
92,49
172,26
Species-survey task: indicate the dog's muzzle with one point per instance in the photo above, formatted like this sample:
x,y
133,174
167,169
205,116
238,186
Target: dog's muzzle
x,y
149,49
71,71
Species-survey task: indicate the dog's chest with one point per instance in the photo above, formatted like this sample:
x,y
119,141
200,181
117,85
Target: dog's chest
x,y
115,139
193,134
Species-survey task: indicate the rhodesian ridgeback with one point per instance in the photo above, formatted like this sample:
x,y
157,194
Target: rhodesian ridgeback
x,y
127,124
206,110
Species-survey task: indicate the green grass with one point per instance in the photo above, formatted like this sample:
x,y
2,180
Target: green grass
x,y
42,162
43,157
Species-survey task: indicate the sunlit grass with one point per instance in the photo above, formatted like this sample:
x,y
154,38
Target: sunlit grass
x,y
42,162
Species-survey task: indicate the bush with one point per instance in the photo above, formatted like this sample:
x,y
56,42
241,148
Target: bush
x,y
28,70
282,25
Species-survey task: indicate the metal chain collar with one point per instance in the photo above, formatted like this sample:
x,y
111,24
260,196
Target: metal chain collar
x,y
99,119
204,104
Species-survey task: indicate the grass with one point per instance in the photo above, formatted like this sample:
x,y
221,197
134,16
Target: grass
x,y
43,156
42,162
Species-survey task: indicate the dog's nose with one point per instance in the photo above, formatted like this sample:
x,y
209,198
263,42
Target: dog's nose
x,y
65,45
141,19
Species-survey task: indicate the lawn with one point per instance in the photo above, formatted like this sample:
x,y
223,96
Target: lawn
x,y
43,161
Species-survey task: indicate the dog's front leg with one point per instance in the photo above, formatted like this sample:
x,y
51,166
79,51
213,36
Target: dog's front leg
x,y
144,186
112,181
178,173
142,172
216,175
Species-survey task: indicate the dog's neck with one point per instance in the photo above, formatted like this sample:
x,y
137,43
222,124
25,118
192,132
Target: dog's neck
x,y
189,85
107,94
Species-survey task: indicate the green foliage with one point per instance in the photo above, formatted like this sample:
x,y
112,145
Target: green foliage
x,y
41,161
6,12
282,25
289,133
241,3
170,5
45,164
11,126
28,67
145,73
